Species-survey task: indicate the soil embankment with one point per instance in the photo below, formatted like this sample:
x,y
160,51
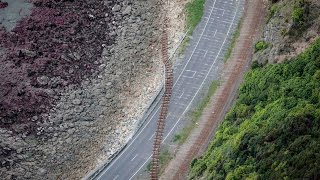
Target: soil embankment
x,y
76,77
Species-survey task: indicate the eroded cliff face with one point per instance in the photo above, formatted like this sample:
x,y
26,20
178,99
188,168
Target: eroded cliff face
x,y
290,27
76,77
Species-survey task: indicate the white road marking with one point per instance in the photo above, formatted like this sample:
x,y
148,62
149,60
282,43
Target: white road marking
x,y
194,72
181,95
159,107
192,98
212,22
151,136
116,177
140,167
205,54
219,9
204,78
134,157
112,163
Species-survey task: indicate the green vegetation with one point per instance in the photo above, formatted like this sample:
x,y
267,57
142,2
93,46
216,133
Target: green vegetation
x,y
260,45
233,42
272,10
195,115
298,11
297,14
194,12
164,158
273,130
302,17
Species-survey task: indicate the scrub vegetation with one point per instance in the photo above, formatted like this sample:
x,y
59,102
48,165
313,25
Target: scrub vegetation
x,y
273,130
260,45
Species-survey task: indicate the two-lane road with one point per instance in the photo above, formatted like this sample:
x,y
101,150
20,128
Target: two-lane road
x,y
192,76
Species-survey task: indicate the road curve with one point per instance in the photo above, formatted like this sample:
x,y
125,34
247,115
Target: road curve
x,y
192,76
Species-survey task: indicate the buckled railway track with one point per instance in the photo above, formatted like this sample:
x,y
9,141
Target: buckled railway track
x,y
155,162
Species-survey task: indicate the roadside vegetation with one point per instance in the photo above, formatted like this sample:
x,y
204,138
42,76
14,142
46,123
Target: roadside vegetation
x,y
272,10
194,11
235,36
260,45
194,116
164,158
273,130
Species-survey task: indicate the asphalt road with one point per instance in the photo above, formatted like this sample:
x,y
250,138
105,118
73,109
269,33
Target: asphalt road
x,y
192,76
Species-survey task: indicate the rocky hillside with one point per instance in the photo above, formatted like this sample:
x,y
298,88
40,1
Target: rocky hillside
x,y
290,27
273,129
76,76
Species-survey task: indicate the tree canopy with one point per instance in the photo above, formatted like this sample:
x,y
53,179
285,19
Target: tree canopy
x,y
273,130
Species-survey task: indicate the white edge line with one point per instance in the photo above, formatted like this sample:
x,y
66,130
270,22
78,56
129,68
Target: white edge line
x,y
108,167
193,96
173,86
235,14
140,167
116,177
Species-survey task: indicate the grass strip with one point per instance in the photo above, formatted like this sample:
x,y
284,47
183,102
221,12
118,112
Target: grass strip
x,y
235,36
164,158
194,11
181,137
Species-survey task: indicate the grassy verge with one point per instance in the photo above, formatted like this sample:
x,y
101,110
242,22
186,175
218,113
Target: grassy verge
x,y
164,157
235,36
194,12
195,115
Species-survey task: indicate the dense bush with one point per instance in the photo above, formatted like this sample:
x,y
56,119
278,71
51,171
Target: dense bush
x,y
273,130
297,14
300,17
260,45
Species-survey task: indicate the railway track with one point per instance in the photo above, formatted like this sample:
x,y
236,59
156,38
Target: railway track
x,y
155,162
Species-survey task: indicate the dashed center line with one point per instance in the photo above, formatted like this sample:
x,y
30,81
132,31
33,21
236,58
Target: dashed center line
x,y
116,177
152,136
181,95
134,157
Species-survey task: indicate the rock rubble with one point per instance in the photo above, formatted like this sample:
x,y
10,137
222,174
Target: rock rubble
x,y
90,118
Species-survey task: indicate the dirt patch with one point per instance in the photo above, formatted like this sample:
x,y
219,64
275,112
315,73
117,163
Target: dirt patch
x,y
222,100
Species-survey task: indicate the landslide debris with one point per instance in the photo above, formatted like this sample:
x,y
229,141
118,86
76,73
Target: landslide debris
x,y
75,78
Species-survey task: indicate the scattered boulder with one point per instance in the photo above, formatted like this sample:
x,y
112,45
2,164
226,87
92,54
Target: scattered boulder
x,y
3,5
127,10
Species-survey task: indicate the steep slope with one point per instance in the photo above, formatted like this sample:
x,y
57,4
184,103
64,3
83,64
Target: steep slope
x,y
291,25
273,130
